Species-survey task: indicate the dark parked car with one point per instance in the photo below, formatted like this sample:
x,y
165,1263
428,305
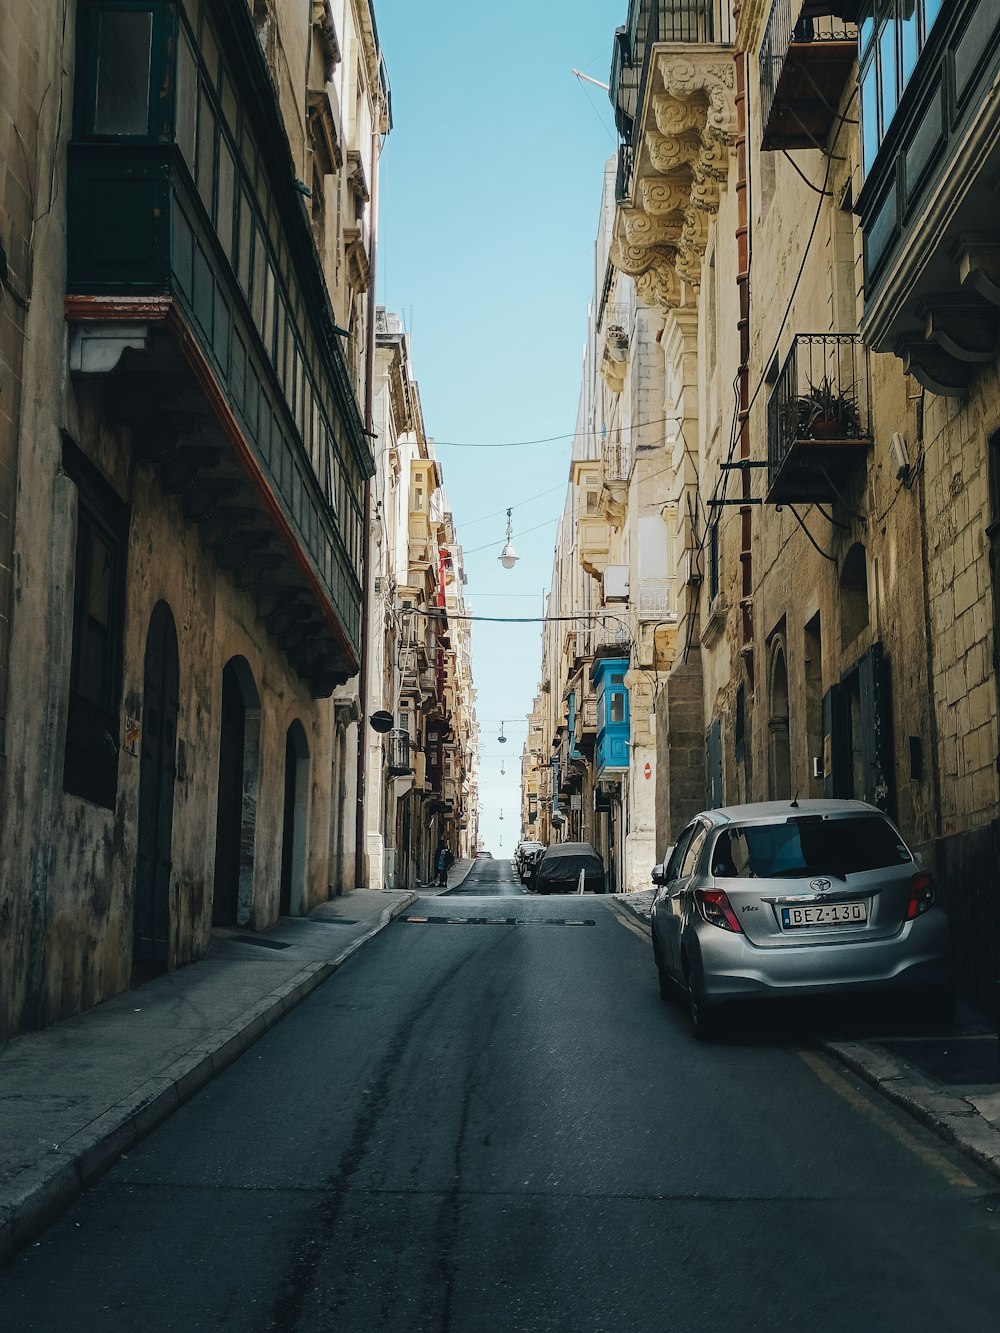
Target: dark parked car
x,y
525,857
558,869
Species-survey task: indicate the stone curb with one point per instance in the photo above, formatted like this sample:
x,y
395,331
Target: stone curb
x,y
953,1119
36,1197
637,911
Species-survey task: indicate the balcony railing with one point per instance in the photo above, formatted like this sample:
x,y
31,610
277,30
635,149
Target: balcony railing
x,y
616,457
805,62
399,753
818,418
656,599
703,22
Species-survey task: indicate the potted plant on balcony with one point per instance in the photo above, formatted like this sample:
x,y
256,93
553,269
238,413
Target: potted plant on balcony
x,y
824,412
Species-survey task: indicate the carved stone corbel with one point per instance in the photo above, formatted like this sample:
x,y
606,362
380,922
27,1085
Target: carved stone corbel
x,y
931,366
688,127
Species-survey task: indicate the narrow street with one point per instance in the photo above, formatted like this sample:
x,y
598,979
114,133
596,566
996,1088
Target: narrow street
x,y
488,1120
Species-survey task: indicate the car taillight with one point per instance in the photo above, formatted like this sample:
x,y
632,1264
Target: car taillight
x,y
921,896
717,910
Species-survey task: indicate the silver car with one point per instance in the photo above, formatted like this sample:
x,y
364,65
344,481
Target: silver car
x,y
804,898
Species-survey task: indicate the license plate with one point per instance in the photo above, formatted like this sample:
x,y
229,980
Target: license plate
x,y
824,914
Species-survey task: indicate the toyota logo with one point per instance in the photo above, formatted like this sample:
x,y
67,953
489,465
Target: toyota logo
x,y
820,885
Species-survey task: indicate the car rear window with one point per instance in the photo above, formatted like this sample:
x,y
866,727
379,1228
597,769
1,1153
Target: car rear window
x,y
808,846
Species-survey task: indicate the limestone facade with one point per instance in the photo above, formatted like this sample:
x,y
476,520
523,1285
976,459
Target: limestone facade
x,y
836,604
423,786
185,467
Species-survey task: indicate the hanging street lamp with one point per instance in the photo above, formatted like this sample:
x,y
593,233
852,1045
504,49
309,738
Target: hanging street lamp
x,y
508,556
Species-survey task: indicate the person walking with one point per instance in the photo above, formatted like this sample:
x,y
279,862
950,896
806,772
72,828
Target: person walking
x,y
443,860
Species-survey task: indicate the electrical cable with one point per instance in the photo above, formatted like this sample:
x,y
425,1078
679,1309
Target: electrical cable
x,y
549,439
812,540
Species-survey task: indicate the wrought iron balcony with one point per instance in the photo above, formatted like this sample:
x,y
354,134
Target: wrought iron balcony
x,y
399,753
818,418
805,62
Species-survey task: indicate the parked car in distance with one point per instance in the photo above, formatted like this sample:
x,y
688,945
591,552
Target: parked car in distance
x,y
485,855
525,856
794,899
558,869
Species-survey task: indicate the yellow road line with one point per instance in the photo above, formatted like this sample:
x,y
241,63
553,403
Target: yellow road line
x,y
840,1085
633,926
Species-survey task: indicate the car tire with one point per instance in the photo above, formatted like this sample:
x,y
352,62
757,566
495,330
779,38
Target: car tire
x,y
704,1021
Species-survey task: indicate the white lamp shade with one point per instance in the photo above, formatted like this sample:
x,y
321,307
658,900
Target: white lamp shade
x,y
508,556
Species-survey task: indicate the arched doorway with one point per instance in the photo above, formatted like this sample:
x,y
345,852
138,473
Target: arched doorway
x,y
239,763
293,833
157,771
779,755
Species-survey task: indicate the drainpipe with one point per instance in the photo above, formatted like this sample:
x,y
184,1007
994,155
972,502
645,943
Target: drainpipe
x,y
360,830
743,286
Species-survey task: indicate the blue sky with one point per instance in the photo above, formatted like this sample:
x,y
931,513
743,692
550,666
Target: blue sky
x,y
488,209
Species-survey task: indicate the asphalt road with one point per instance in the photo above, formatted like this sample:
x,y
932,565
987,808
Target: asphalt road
x,y
488,1121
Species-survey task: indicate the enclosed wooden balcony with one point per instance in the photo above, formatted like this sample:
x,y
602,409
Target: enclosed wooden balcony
x,y
399,764
818,419
805,62
197,303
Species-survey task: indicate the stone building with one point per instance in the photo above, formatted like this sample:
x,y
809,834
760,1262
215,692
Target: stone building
x,y
187,214
612,602
803,206
424,769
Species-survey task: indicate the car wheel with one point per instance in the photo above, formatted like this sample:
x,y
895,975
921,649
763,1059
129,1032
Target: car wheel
x,y
704,1021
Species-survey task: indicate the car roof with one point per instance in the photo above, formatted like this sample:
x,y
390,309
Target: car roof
x,y
771,812
573,849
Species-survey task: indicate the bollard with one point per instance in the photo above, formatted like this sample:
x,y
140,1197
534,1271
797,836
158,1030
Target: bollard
x,y
580,881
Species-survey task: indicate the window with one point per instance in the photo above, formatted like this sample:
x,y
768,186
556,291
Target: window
x,y
891,35
713,561
693,851
809,845
90,767
677,855
124,53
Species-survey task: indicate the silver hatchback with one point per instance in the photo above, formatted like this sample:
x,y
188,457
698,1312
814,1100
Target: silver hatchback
x,y
806,898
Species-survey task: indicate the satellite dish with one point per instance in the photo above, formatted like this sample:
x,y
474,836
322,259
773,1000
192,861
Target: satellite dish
x,y
381,721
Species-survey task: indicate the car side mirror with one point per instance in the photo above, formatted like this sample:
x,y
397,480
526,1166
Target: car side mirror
x,y
659,875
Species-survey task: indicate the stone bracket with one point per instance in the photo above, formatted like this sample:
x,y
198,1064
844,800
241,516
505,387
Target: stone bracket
x,y
931,366
688,127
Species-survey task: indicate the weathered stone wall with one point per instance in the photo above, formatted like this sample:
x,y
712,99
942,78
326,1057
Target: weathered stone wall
x,y
68,866
680,750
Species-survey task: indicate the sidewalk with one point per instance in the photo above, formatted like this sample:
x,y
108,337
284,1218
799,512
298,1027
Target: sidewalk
x,y
77,1095
948,1080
